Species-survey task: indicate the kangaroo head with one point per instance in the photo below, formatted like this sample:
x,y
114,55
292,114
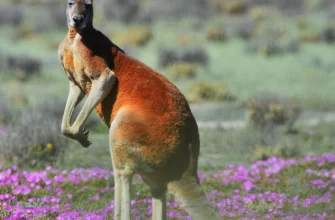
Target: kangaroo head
x,y
79,13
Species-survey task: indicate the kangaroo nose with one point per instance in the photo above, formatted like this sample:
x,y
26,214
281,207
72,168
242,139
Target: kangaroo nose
x,y
78,19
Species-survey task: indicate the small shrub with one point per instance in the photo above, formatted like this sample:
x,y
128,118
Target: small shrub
x,y
231,6
309,37
182,70
267,47
23,66
260,12
267,111
33,141
265,152
134,36
245,29
190,55
204,91
216,34
328,35
270,47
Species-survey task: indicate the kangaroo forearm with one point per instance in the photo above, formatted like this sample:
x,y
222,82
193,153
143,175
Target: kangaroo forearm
x,y
100,89
74,98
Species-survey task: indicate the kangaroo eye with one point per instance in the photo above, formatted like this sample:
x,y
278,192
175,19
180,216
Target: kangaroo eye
x,y
71,3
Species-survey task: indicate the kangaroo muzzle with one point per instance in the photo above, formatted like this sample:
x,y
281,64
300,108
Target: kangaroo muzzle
x,y
77,21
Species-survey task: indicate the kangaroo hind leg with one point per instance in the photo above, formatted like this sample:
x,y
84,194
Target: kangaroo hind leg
x,y
123,170
158,203
126,191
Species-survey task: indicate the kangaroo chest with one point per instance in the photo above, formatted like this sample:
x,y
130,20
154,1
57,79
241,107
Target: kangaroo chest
x,y
75,70
81,65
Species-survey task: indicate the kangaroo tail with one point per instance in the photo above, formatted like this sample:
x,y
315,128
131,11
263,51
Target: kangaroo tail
x,y
190,197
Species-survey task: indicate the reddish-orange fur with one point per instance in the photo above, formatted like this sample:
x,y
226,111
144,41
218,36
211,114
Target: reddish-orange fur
x,y
152,129
160,121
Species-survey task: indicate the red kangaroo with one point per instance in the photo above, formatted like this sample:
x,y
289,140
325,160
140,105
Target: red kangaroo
x,y
152,130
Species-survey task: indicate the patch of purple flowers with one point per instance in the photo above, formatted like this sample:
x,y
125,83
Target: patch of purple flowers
x,y
246,199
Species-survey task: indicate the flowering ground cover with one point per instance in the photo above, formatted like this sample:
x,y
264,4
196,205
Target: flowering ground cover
x,y
272,189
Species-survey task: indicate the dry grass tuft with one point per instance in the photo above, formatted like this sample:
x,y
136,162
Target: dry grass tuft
x,y
137,36
209,92
182,70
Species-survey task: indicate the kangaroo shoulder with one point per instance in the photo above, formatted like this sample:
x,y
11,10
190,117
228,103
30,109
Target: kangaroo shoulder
x,y
64,44
61,48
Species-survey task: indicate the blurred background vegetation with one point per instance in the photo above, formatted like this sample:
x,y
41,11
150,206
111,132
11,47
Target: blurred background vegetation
x,y
259,75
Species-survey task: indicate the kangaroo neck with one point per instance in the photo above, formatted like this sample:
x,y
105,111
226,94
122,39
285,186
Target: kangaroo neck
x,y
82,32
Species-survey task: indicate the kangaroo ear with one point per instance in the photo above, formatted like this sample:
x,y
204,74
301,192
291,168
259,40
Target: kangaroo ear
x,y
89,2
